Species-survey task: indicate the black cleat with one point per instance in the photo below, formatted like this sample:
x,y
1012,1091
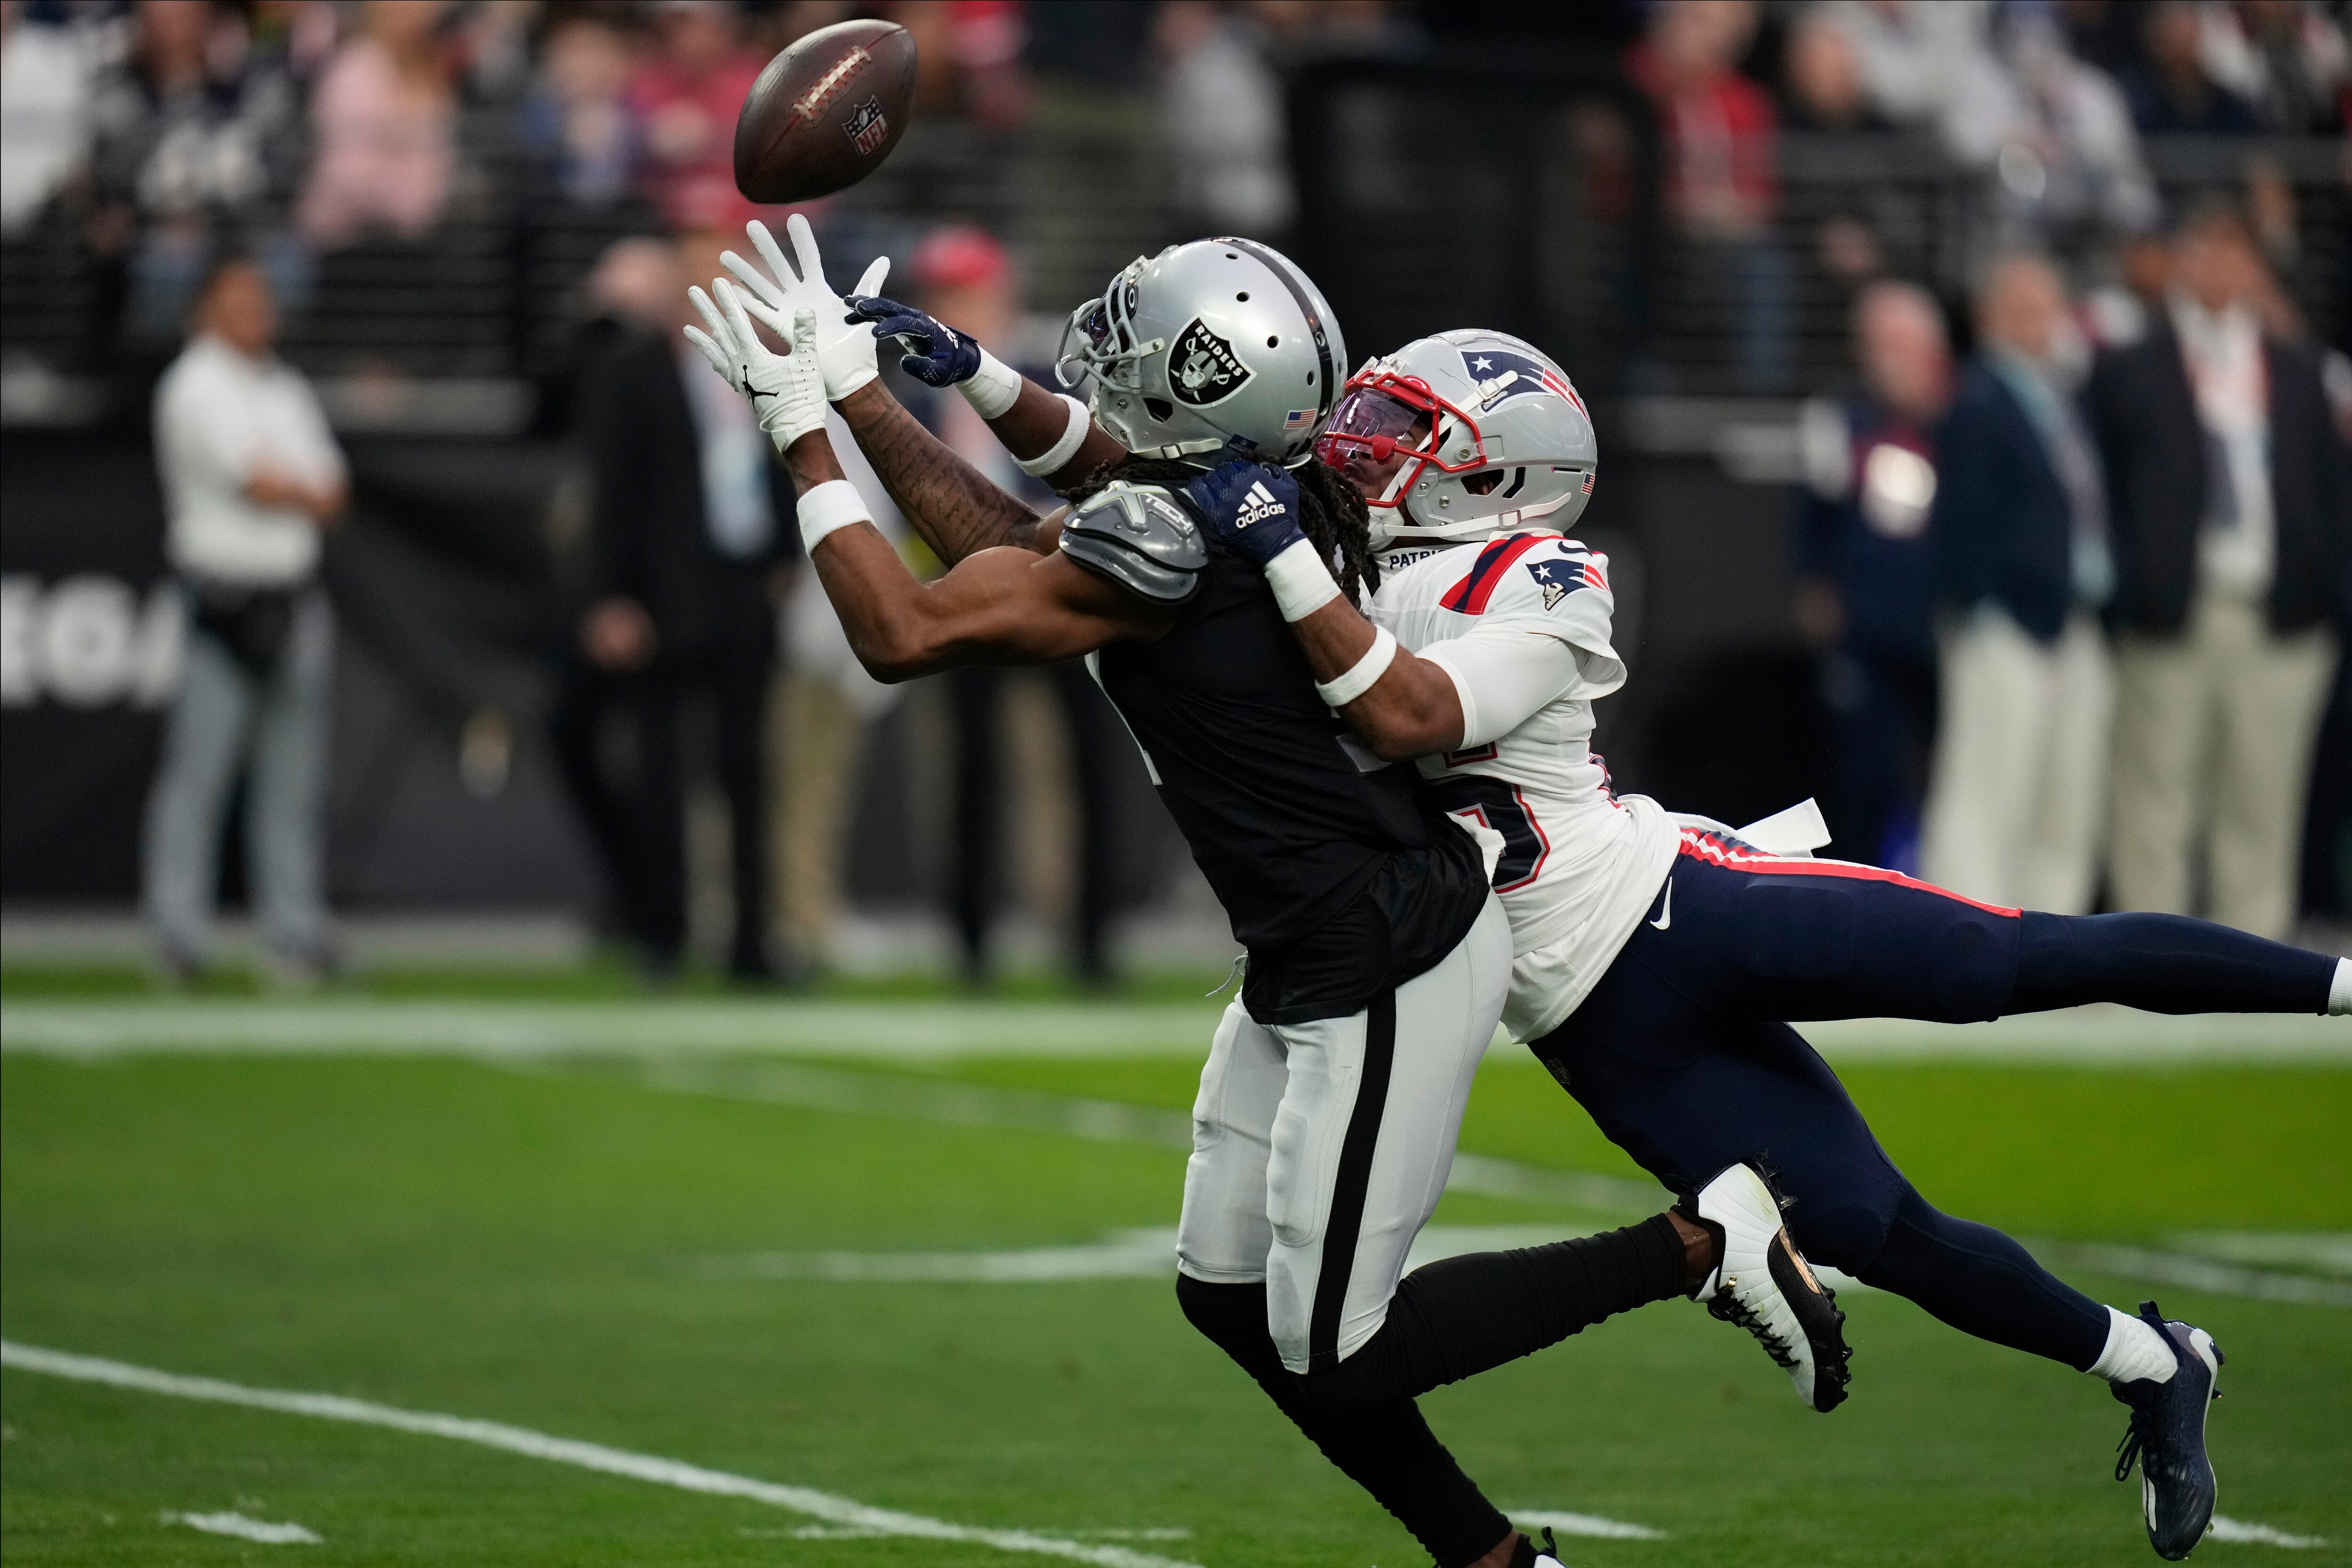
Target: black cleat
x,y
2167,1437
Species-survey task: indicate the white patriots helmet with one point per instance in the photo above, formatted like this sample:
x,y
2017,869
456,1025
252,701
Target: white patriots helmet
x,y
1204,343
1495,436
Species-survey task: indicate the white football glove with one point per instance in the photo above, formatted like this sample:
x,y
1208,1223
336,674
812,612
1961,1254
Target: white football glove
x,y
844,348
786,390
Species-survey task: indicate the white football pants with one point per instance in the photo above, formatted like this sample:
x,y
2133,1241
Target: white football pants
x,y
1319,1149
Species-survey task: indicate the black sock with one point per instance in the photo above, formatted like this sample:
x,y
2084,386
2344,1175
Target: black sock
x,y
1460,1316
1387,1449
2162,963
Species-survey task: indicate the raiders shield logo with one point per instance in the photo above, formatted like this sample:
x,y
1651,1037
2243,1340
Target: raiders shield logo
x,y
1203,367
867,126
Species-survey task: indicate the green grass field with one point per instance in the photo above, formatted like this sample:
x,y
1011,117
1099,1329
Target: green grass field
x,y
616,1250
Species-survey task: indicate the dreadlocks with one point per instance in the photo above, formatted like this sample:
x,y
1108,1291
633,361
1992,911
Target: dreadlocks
x,y
1332,514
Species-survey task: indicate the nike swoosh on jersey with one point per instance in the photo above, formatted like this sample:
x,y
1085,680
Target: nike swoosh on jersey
x,y
1665,910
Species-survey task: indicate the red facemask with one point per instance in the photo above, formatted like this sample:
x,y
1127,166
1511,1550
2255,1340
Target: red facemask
x,y
1381,414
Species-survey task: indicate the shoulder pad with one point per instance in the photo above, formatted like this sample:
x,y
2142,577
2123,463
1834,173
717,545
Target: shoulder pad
x,y
1139,538
1555,580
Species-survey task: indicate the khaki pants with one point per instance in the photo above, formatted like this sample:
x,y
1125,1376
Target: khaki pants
x,y
2214,732
2019,774
820,734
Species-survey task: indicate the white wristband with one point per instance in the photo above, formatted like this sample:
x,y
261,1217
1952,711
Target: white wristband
x,y
1302,584
828,509
1055,457
993,389
1358,680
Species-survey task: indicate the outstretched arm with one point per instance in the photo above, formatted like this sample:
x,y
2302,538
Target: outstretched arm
x,y
954,507
1039,420
1051,435
995,606
1005,606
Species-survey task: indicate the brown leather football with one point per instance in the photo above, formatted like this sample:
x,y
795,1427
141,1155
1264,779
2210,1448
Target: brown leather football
x,y
826,113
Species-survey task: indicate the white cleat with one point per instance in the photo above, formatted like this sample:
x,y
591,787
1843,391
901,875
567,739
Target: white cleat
x,y
1763,1285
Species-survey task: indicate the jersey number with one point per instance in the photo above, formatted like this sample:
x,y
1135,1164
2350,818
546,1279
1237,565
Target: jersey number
x,y
1500,806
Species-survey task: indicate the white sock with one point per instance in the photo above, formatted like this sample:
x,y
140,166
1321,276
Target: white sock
x,y
2135,1352
2339,996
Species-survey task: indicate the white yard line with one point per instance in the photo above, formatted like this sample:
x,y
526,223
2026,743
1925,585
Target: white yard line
x,y
2312,1251
1589,1524
2191,1273
901,1095
841,1511
979,1105
2089,1036
2102,1035
1146,1253
915,1031
2239,1530
697,1059
976,1105
246,1529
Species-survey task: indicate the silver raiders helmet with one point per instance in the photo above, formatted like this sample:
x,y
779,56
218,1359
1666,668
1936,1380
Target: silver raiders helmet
x,y
1204,343
1491,436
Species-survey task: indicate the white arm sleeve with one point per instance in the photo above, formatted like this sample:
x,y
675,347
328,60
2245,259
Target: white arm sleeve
x,y
1512,673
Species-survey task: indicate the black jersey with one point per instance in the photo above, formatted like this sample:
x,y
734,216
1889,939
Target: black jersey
x,y
1339,877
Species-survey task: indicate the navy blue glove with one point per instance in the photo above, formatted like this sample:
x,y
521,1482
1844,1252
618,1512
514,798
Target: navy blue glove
x,y
941,357
1252,506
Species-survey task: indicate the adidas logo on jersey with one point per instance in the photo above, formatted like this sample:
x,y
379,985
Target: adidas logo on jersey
x,y
1259,505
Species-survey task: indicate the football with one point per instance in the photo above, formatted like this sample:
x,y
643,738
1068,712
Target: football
x,y
825,111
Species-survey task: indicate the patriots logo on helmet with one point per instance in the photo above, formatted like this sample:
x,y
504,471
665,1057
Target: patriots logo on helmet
x,y
1490,366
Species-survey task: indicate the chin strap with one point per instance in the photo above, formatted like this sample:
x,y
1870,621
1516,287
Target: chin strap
x,y
1180,449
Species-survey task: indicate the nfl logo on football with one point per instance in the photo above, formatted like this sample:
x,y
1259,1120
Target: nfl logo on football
x,y
867,127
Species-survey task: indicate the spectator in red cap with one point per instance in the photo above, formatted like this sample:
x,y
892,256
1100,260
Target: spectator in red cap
x,y
687,96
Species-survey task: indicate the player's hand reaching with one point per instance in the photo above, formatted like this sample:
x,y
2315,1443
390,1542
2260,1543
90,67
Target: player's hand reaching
x,y
1252,506
844,349
937,354
786,390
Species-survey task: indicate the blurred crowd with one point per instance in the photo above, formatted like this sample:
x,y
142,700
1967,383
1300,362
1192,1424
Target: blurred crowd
x,y
147,132
2080,596
2073,548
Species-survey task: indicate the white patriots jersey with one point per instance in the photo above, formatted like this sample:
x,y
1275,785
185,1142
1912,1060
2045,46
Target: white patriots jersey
x,y
1574,865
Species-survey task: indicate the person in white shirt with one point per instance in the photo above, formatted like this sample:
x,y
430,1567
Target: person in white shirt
x,y
2232,512
251,479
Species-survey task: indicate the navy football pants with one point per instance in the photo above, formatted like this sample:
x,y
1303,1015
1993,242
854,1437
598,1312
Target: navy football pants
x,y
1684,1056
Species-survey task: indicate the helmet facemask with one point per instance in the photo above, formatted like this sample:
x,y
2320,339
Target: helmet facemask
x,y
1382,415
1441,452
1099,340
